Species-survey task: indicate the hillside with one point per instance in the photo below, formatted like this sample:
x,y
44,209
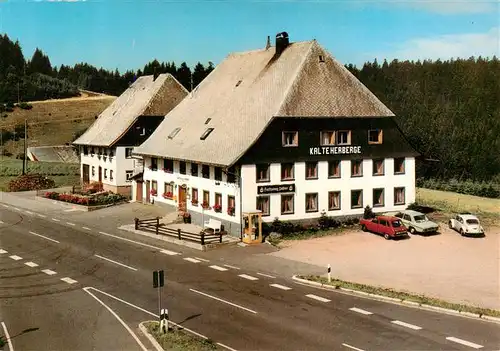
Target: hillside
x,y
51,122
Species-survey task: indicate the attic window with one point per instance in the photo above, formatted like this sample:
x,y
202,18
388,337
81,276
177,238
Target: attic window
x,y
239,82
321,58
208,120
206,133
174,133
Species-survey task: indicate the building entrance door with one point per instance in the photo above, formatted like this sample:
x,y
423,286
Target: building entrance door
x,y
148,187
100,174
138,192
86,174
182,198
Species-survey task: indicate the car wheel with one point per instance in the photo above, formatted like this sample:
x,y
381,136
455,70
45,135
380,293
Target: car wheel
x,y
449,225
412,230
462,232
386,236
363,228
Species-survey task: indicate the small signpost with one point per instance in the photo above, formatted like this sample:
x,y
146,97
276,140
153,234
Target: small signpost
x,y
329,273
158,283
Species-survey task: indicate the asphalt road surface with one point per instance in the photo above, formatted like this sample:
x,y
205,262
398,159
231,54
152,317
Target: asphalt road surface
x,y
109,291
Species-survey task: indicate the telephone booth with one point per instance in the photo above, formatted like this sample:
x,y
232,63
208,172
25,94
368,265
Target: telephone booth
x,y
252,230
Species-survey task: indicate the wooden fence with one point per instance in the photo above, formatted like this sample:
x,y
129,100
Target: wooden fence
x,y
154,225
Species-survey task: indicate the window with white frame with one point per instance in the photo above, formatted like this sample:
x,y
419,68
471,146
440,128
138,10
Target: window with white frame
x,y
128,175
356,198
264,205
218,173
356,168
311,170
287,204
169,190
110,174
205,171
378,167
194,196
93,171
287,171
290,138
194,169
333,200
399,196
343,137
375,136
327,138
231,205
182,167
262,172
128,152
312,202
399,165
378,197
334,169
105,173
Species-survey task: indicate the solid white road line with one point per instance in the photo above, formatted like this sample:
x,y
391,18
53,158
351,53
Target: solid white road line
x,y
202,259
86,228
266,275
69,280
224,301
132,241
150,313
42,236
282,287
7,336
249,277
464,342
118,263
170,253
191,259
352,347
229,266
2,251
316,297
41,215
56,220
6,206
407,325
16,258
31,264
119,320
359,310
48,272
222,269
69,223
29,212
17,209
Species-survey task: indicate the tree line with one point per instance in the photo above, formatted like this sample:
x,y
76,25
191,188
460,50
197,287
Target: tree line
x,y
448,110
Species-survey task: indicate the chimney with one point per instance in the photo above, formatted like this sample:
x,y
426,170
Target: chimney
x,y
268,44
281,42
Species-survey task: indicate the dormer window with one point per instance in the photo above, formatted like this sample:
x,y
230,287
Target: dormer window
x,y
174,133
290,138
321,58
208,120
206,133
344,137
375,136
238,84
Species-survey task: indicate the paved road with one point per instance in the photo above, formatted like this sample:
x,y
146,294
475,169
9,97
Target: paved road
x,y
240,307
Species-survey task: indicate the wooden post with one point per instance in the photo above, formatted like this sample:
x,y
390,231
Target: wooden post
x,y
157,224
136,220
220,237
179,233
203,238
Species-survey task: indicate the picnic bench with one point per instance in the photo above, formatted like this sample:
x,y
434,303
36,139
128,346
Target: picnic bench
x,y
213,224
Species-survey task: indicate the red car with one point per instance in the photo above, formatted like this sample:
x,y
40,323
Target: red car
x,y
390,227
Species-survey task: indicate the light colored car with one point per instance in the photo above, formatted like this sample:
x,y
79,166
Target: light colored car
x,y
417,222
466,224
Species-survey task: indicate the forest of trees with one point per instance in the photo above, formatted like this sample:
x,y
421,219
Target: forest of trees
x,y
448,110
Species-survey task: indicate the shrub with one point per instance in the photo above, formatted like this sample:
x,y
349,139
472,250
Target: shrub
x,y
484,189
368,213
102,199
31,182
25,106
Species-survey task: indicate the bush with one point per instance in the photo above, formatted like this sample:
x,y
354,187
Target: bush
x,y
368,214
31,182
25,106
324,223
484,189
101,199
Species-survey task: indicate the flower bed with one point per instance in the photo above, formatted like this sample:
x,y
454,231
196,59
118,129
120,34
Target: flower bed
x,y
97,200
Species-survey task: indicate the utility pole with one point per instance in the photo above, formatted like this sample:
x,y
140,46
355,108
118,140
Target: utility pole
x,y
25,134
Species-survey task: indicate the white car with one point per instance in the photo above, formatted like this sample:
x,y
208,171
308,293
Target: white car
x,y
466,224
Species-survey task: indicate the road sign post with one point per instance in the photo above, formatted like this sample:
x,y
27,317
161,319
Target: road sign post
x,y
329,273
158,283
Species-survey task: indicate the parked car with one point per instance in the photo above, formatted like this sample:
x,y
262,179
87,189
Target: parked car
x,y
417,222
389,226
466,224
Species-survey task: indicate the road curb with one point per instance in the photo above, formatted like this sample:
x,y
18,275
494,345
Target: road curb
x,y
150,337
397,300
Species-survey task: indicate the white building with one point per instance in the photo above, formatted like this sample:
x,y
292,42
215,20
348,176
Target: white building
x,y
287,130
106,146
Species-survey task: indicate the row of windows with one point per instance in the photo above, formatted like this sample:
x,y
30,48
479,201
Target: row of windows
x,y
311,172
100,151
332,137
334,203
105,173
168,167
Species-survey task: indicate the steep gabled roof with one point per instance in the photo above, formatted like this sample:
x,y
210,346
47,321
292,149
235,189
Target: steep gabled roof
x,y
145,97
246,91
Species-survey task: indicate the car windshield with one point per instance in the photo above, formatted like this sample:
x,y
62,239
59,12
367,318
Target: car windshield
x,y
420,218
396,224
472,221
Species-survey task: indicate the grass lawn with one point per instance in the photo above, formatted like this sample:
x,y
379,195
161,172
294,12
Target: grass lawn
x,y
179,340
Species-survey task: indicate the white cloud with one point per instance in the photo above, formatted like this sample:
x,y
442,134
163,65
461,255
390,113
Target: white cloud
x,y
447,46
452,6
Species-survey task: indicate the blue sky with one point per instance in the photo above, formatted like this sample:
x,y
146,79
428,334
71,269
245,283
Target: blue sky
x,y
127,34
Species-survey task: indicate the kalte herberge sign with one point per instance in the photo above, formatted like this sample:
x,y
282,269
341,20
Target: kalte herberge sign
x,y
334,150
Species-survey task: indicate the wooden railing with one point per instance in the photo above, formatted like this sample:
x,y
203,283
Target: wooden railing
x,y
154,225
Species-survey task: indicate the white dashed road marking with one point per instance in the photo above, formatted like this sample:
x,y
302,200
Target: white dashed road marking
x,y
86,228
56,220
266,275
224,301
249,277
1,222
316,297
48,272
229,266
6,206
118,263
69,223
407,325
202,259
170,253
31,264
17,209
29,212
464,342
282,287
191,259
217,268
69,280
16,258
41,215
42,236
359,310
352,347
2,251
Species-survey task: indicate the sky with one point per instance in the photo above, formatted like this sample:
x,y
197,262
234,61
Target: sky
x,y
126,34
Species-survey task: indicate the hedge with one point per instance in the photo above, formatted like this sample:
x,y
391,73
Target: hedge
x,y
483,189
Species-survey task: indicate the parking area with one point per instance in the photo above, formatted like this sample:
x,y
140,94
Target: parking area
x,y
447,265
